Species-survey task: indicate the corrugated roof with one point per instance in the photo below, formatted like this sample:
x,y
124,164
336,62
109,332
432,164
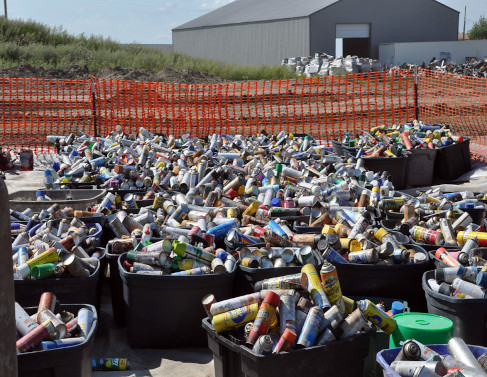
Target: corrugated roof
x,y
241,11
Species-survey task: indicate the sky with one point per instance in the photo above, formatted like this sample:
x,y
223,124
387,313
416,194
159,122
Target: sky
x,y
148,21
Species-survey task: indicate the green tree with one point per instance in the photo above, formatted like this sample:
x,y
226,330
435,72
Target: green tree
x,y
479,29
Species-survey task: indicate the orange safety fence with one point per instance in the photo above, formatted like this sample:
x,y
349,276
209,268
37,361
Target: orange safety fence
x,y
31,109
458,101
325,107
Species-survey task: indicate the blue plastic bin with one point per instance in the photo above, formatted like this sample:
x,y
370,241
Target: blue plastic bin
x,y
386,357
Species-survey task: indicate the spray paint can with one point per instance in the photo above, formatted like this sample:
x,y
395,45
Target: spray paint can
x,y
468,288
460,351
377,316
194,271
61,343
85,320
264,317
184,249
428,236
311,281
369,256
23,322
281,282
311,328
59,326
30,341
443,255
235,303
286,341
287,313
331,285
353,323
265,344
235,318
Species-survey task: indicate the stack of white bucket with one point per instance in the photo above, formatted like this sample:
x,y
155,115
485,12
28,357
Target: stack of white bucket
x,y
326,65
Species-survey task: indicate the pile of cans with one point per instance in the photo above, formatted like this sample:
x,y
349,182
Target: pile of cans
x,y
51,327
67,248
458,280
295,311
396,140
417,360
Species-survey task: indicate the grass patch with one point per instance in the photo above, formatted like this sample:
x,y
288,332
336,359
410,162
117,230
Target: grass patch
x,y
30,42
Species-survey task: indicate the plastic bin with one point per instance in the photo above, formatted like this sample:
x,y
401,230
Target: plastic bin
x,y
344,358
386,357
166,311
67,290
469,316
342,149
75,361
76,199
116,288
396,166
453,161
401,280
420,167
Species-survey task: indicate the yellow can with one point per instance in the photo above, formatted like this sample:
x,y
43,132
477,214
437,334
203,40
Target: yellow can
x,y
350,244
377,316
327,230
251,209
235,318
349,304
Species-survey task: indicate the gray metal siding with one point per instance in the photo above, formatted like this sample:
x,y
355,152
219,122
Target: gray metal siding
x,y
391,21
258,43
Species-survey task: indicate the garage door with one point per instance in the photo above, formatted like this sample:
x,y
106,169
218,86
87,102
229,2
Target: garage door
x,y
352,31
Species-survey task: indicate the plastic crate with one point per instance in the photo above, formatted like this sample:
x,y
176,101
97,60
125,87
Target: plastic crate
x,y
68,290
453,161
76,199
75,361
344,358
396,166
400,280
469,316
387,356
166,311
420,167
343,150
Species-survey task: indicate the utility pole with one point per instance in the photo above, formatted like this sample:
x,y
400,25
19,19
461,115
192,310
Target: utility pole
x,y
464,21
5,7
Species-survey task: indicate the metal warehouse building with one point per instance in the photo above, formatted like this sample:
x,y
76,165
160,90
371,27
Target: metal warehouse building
x,y
253,32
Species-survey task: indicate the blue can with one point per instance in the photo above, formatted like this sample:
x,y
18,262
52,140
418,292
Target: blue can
x,y
221,254
482,279
100,161
333,256
220,231
311,327
275,202
40,195
275,227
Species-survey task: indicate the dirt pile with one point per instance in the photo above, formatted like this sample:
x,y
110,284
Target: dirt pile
x,y
187,76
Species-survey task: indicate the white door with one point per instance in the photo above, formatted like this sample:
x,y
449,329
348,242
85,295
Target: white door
x,y
352,31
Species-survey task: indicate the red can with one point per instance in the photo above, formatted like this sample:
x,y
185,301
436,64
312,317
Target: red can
x,y
48,301
259,231
31,340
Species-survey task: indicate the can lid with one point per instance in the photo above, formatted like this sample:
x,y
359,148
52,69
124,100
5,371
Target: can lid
x,y
397,307
47,173
380,233
275,202
272,298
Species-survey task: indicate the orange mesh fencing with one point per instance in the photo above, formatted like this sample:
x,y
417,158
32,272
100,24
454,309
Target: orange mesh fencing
x,y
31,109
458,101
325,107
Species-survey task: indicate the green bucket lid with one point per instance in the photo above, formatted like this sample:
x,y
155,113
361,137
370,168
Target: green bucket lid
x,y
424,327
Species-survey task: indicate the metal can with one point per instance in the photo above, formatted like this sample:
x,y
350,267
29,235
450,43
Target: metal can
x,y
377,316
264,317
427,236
311,328
235,318
311,281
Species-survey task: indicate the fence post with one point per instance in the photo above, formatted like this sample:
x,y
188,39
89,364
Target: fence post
x,y
93,101
416,103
